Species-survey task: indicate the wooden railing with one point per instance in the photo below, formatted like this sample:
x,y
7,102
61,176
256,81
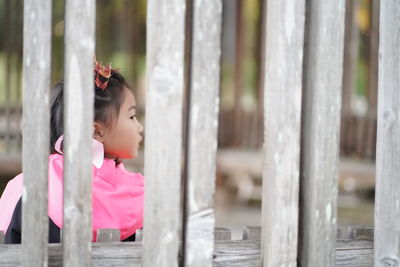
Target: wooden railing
x,y
304,56
353,249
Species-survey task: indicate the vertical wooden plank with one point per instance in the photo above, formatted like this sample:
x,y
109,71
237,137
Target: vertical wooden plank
x,y
373,56
139,235
202,133
387,197
237,111
2,235
78,128
251,232
165,68
323,63
35,129
359,232
220,233
282,110
373,79
108,235
8,49
351,41
260,54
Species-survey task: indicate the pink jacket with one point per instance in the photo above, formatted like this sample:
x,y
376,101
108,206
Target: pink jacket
x,y
117,197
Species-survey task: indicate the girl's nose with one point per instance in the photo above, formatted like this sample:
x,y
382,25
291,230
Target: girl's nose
x,y
141,128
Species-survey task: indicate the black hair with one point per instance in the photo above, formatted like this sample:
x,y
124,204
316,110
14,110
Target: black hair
x,y
107,104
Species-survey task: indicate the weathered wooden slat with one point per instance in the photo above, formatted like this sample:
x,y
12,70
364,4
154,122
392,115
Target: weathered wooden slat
x,y
237,253
78,129
338,233
373,57
361,232
227,253
2,237
251,232
323,63
108,235
354,258
351,46
139,235
202,133
254,232
35,129
282,110
221,233
165,68
349,244
387,197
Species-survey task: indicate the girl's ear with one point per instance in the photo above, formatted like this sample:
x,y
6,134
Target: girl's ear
x,y
98,131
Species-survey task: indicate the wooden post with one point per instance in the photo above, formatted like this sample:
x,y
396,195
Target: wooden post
x,y
8,55
373,79
78,130
36,130
323,63
237,112
260,55
282,109
373,56
387,197
108,235
139,235
361,232
165,68
221,233
202,133
351,43
251,233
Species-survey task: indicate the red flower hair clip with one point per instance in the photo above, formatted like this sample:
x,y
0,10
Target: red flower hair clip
x,y
103,74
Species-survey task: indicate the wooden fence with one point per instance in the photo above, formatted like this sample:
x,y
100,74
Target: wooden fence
x,y
303,74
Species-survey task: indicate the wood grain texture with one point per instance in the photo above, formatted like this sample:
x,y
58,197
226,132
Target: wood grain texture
x,y
163,136
373,55
351,47
221,233
78,129
202,134
251,232
282,110
35,130
254,232
323,63
108,235
139,235
361,232
349,253
387,197
2,235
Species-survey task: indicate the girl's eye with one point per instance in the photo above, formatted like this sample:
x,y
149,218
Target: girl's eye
x,y
133,117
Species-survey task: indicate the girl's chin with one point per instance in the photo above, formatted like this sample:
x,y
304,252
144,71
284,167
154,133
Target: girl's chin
x,y
120,156
130,156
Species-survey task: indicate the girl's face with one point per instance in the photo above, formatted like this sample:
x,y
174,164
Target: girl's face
x,y
123,138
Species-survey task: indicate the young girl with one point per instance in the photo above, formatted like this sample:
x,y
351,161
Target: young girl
x,y
117,195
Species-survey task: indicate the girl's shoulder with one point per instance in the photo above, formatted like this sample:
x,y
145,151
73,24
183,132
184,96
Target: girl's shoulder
x,y
136,176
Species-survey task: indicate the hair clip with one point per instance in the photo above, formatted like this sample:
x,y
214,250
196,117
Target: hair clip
x,y
104,72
